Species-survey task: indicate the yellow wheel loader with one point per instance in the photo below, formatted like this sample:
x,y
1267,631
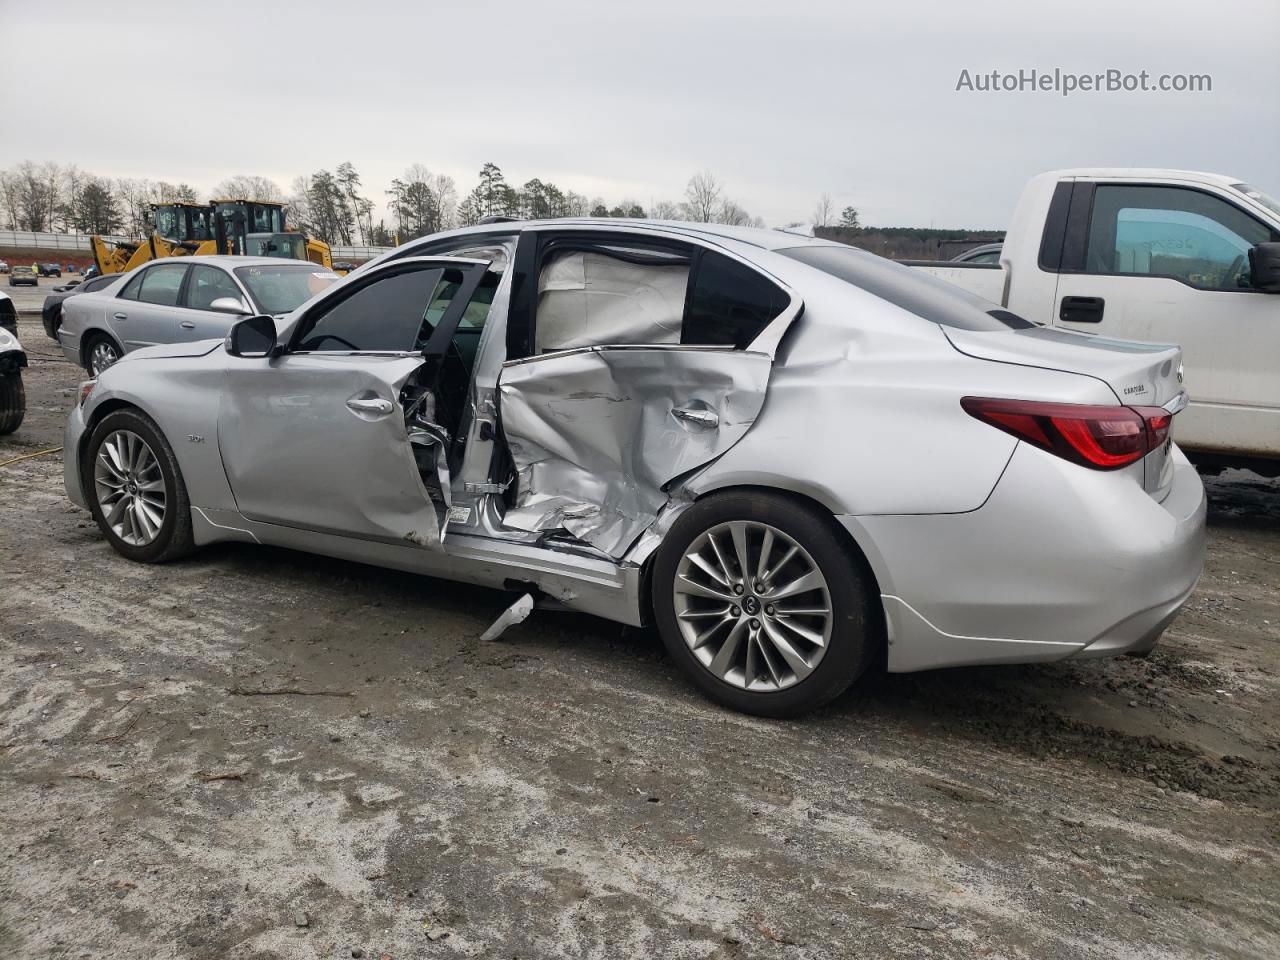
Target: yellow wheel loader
x,y
239,227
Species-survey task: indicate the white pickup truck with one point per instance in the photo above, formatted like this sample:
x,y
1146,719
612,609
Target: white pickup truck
x,y
1168,256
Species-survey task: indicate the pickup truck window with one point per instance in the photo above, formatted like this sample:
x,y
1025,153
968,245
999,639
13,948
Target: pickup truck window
x,y
1253,193
1175,232
912,290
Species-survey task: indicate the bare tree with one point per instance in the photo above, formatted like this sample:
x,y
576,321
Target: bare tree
x,y
703,197
665,210
733,215
248,187
824,212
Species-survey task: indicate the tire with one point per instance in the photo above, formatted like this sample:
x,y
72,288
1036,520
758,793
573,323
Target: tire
x,y
853,630
104,348
13,402
134,538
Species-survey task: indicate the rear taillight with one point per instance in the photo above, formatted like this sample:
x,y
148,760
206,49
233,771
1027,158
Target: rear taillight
x,y
1101,437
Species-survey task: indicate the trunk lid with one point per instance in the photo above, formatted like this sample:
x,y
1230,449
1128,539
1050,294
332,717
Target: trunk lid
x,y
1139,374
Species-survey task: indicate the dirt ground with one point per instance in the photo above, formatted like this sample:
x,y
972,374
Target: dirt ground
x,y
260,754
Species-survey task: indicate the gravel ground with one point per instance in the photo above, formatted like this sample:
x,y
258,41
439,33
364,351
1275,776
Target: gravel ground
x,y
261,754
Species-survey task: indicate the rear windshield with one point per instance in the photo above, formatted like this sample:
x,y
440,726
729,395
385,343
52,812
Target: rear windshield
x,y
281,289
908,287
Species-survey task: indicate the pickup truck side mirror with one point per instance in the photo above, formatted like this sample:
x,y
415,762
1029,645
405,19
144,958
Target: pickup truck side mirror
x,y
252,337
1264,267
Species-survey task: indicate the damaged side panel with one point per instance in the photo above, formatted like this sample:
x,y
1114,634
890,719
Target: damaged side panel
x,y
597,434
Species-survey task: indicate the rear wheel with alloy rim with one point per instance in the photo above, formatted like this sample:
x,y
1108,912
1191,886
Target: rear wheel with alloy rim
x,y
135,488
102,353
764,603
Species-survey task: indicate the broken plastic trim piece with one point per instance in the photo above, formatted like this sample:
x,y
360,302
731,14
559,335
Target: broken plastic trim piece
x,y
518,612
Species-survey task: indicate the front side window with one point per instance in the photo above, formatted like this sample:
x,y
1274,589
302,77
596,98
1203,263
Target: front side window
x,y
391,314
208,284
1173,232
160,285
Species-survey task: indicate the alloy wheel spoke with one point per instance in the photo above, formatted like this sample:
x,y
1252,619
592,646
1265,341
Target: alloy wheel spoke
x,y
728,650
687,586
801,631
709,568
799,666
766,547
811,580
739,532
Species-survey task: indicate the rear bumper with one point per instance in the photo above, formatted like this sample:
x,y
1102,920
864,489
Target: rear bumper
x,y
1059,562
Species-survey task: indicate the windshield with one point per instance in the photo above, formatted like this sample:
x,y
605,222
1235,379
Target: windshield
x,y
280,289
907,287
1256,195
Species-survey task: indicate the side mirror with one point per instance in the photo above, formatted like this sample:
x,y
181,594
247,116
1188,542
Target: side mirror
x,y
229,305
252,337
1264,267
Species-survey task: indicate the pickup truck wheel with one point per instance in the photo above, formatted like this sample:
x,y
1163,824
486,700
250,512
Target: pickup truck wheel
x,y
763,604
13,402
99,354
135,489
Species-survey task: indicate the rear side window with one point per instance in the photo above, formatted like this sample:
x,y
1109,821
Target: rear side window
x,y
161,285
729,303
907,287
98,283
612,294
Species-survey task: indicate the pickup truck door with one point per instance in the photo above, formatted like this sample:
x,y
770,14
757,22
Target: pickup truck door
x,y
1169,264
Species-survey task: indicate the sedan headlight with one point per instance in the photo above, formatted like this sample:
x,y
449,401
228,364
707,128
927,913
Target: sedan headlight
x,y
86,388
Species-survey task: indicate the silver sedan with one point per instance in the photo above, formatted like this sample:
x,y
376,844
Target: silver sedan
x,y
177,299
792,457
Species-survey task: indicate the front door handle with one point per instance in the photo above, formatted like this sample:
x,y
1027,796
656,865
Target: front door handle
x,y
376,405
1081,309
187,325
697,417
121,316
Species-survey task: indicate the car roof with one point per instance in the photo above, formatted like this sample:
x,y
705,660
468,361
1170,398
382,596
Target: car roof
x,y
229,261
760,237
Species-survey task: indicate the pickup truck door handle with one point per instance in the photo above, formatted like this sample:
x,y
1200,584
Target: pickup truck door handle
x,y
1081,309
187,325
697,417
375,405
121,316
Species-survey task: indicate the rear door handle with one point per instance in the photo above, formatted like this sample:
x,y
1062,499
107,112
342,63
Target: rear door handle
x,y
187,325
376,405
1081,309
121,316
695,416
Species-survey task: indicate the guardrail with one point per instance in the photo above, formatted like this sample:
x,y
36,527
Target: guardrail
x,y
357,253
47,241
25,239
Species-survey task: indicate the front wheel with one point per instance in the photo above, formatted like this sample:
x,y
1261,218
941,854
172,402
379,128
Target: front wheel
x,y
763,603
13,402
135,489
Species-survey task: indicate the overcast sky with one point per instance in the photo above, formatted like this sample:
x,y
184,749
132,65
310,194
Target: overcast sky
x,y
628,100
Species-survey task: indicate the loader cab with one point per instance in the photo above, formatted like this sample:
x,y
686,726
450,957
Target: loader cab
x,y
183,223
256,228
